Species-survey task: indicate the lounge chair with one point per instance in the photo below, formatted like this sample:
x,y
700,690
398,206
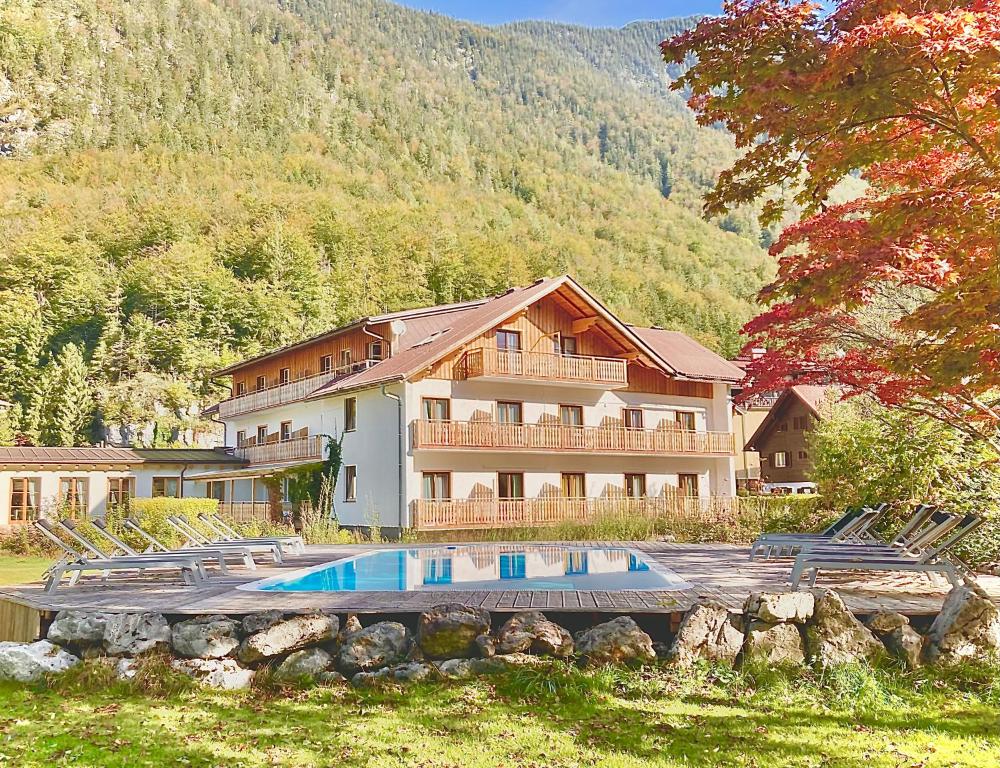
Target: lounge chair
x,y
69,527
227,533
195,538
927,527
75,563
931,560
242,555
853,526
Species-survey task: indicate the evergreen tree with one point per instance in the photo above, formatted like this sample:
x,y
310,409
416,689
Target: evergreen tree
x,y
66,410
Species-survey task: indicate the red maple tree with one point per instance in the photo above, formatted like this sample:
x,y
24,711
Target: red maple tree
x,y
897,293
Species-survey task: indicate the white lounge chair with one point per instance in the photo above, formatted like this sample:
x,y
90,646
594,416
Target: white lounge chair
x,y
853,526
240,555
227,533
195,538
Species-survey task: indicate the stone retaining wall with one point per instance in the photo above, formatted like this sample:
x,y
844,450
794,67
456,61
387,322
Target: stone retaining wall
x,y
457,641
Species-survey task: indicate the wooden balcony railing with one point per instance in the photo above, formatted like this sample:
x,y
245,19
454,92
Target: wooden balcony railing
x,y
457,514
542,366
491,435
298,449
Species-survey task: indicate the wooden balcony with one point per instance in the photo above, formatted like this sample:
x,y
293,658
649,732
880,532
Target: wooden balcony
x,y
543,438
459,514
301,449
495,364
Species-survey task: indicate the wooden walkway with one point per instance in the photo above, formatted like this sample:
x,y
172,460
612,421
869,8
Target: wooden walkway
x,y
715,571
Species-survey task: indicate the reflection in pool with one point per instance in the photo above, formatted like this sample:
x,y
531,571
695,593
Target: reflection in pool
x,y
481,567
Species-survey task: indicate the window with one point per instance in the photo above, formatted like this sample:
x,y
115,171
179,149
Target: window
x,y
574,485
350,414
571,415
783,426
350,483
632,418
803,455
261,383
635,486
376,350
437,408
285,431
24,493
567,345
73,492
509,412
345,359
326,364
284,376
216,490
120,490
780,459
509,341
262,434
688,484
437,485
241,388
686,420
169,487
241,438
510,485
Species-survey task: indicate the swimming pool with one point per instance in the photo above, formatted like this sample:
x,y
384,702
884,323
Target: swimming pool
x,y
491,567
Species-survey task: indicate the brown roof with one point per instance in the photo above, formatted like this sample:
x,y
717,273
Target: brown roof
x,y
687,356
813,395
124,456
186,456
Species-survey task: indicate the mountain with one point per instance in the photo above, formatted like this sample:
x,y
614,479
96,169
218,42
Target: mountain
x,y
186,182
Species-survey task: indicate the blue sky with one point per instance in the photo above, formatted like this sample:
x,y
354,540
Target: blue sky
x,y
592,13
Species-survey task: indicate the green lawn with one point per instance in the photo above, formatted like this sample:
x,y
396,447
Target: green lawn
x,y
15,569
611,719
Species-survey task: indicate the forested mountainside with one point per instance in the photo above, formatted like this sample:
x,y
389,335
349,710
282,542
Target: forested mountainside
x,y
186,182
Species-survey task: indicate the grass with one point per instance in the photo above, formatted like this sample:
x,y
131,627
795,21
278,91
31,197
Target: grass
x,y
529,719
17,569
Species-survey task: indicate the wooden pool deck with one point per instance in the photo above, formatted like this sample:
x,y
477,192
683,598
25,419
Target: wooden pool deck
x,y
715,571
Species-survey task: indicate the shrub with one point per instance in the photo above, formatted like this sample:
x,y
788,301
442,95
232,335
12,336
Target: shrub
x,y
25,540
152,516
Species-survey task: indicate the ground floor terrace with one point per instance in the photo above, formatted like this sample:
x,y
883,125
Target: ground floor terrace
x,y
712,571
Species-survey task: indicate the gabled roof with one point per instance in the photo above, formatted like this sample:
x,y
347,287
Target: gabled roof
x,y
688,357
185,456
125,457
811,395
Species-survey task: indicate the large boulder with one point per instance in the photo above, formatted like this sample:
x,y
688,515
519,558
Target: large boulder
x,y
258,622
968,626
883,622
773,644
449,631
410,672
288,635
225,674
456,669
531,632
78,629
133,634
205,637
376,646
835,636
906,644
707,631
613,642
776,607
29,662
309,662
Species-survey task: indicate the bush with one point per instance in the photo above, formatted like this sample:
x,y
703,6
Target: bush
x,y
26,540
152,516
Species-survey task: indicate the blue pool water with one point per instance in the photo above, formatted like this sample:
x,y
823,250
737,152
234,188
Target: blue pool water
x,y
481,567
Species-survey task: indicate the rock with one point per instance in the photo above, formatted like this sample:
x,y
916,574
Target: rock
x,y
330,677
616,641
125,669
258,622
883,622
376,646
456,669
352,625
309,662
835,636
968,626
30,662
415,653
487,646
225,674
531,632
707,631
205,637
133,634
288,635
773,644
89,652
78,629
505,661
449,631
906,644
775,607
412,672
